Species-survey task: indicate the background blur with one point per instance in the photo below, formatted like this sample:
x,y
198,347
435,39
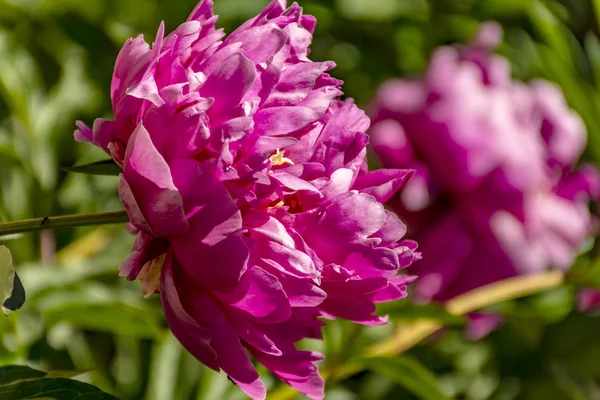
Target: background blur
x,y
56,60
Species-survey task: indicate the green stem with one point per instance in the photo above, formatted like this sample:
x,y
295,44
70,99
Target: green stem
x,y
62,221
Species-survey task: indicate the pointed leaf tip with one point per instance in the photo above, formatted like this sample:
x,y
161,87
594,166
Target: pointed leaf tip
x,y
104,167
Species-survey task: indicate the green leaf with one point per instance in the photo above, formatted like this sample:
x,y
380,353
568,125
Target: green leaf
x,y
408,373
20,382
503,8
8,157
554,32
116,317
213,385
40,279
596,7
105,167
14,373
554,305
405,311
13,293
592,49
383,10
164,369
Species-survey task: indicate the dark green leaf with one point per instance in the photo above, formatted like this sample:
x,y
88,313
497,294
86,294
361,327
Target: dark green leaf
x,y
105,167
408,373
17,296
12,373
13,293
20,382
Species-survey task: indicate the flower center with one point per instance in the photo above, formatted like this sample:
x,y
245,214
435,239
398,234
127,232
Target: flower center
x,y
278,158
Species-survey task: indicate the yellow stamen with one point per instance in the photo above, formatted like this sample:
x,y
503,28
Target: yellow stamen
x,y
279,159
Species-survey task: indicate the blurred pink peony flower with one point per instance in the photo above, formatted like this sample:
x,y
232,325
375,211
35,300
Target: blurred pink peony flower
x,y
588,300
245,179
495,192
481,324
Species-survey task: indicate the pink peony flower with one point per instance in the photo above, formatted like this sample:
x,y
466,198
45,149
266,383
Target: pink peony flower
x,y
245,179
495,192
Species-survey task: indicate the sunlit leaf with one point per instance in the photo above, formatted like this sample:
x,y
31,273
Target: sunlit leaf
x,y
164,369
20,382
213,385
552,30
408,373
13,293
596,7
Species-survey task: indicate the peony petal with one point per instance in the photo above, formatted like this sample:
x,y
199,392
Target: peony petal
x,y
253,333
294,183
224,340
228,83
260,43
259,294
83,133
278,121
194,337
342,138
202,12
297,82
339,183
146,89
296,368
145,249
383,184
392,230
213,251
147,179
131,64
347,221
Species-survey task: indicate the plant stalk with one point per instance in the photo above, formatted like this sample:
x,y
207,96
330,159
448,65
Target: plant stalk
x,y
62,221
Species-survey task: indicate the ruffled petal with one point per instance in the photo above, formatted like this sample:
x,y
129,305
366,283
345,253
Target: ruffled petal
x,y
147,179
213,251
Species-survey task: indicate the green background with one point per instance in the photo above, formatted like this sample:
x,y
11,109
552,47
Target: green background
x,y
56,59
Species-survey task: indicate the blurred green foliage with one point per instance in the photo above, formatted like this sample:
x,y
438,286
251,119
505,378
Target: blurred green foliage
x,y
56,59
